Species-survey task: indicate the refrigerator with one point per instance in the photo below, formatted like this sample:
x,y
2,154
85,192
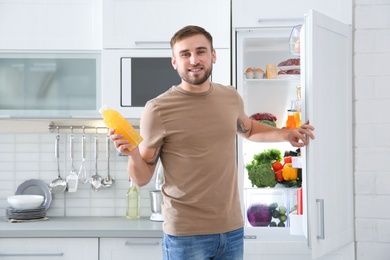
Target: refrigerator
x,y
325,93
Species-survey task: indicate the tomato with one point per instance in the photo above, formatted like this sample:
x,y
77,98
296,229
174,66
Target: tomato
x,y
276,166
287,159
279,175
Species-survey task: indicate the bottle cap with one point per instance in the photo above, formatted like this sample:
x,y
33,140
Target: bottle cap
x,y
103,108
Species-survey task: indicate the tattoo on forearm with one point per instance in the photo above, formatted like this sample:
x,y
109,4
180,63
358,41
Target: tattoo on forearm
x,y
155,157
241,128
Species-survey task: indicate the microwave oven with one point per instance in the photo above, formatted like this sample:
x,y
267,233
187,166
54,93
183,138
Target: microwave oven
x,y
132,77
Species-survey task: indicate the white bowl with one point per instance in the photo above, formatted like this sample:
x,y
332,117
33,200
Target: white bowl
x,y
25,201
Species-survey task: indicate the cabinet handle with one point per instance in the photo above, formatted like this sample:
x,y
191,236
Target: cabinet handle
x,y
321,224
142,243
279,20
31,254
150,42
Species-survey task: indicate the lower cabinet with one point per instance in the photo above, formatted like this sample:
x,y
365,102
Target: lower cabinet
x,y
130,248
49,248
290,250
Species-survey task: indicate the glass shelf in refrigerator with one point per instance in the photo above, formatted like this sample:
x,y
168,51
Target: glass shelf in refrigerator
x,y
292,78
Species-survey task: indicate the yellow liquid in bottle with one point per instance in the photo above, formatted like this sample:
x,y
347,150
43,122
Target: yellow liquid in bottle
x,y
133,200
290,123
114,120
297,116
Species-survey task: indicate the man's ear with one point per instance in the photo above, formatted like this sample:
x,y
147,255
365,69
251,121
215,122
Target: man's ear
x,y
214,55
173,62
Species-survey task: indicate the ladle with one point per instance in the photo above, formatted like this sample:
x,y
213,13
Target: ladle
x,y
58,185
96,179
108,181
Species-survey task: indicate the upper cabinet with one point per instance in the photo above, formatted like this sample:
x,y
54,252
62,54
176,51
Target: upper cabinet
x,y
254,13
50,25
49,85
151,24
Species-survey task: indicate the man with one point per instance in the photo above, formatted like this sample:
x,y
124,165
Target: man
x,y
192,127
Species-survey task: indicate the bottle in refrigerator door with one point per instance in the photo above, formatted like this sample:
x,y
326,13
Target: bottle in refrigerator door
x,y
299,202
290,122
295,40
296,107
133,201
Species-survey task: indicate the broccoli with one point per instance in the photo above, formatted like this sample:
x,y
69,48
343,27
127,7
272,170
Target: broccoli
x,y
266,157
262,175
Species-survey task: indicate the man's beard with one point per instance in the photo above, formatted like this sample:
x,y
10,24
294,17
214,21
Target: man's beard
x,y
196,80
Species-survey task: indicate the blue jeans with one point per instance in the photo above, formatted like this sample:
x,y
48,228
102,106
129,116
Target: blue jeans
x,y
224,246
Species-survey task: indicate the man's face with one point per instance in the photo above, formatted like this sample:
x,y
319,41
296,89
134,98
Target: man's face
x,y
193,59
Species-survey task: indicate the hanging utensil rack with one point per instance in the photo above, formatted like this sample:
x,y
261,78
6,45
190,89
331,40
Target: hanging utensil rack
x,y
53,127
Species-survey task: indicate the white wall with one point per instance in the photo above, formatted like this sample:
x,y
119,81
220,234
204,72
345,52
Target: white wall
x,y
372,129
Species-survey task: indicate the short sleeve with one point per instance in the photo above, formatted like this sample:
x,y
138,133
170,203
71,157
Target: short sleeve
x,y
151,126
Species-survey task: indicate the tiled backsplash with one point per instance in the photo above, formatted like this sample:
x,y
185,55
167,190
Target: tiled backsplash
x,y
25,156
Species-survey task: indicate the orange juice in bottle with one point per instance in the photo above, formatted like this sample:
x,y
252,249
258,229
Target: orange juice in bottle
x,y
114,120
290,122
296,108
297,117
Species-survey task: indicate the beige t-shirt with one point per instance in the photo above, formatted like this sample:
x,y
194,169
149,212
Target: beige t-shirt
x,y
197,132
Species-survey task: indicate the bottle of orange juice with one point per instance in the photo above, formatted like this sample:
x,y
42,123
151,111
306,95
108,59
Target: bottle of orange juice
x,y
297,117
114,120
290,122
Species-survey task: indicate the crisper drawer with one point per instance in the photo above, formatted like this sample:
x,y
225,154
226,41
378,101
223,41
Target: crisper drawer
x,y
49,248
130,248
269,207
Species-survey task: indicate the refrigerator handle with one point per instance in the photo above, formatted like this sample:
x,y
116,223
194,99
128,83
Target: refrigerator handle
x,y
321,225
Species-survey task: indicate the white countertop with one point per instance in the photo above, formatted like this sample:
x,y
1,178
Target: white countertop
x,y
83,227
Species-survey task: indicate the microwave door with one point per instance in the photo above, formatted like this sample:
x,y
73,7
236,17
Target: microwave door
x,y
125,82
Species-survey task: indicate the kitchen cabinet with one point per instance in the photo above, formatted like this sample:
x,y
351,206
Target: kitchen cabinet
x,y
130,248
49,248
51,25
50,85
151,24
296,250
253,13
327,220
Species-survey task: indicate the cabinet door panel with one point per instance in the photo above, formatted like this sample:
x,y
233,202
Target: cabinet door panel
x,y
49,248
50,25
151,24
130,248
49,85
254,13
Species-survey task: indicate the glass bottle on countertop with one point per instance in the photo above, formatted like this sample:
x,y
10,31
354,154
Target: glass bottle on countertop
x,y
133,201
114,120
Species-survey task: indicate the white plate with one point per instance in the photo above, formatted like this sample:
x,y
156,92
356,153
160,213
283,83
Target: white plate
x,y
295,67
36,187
